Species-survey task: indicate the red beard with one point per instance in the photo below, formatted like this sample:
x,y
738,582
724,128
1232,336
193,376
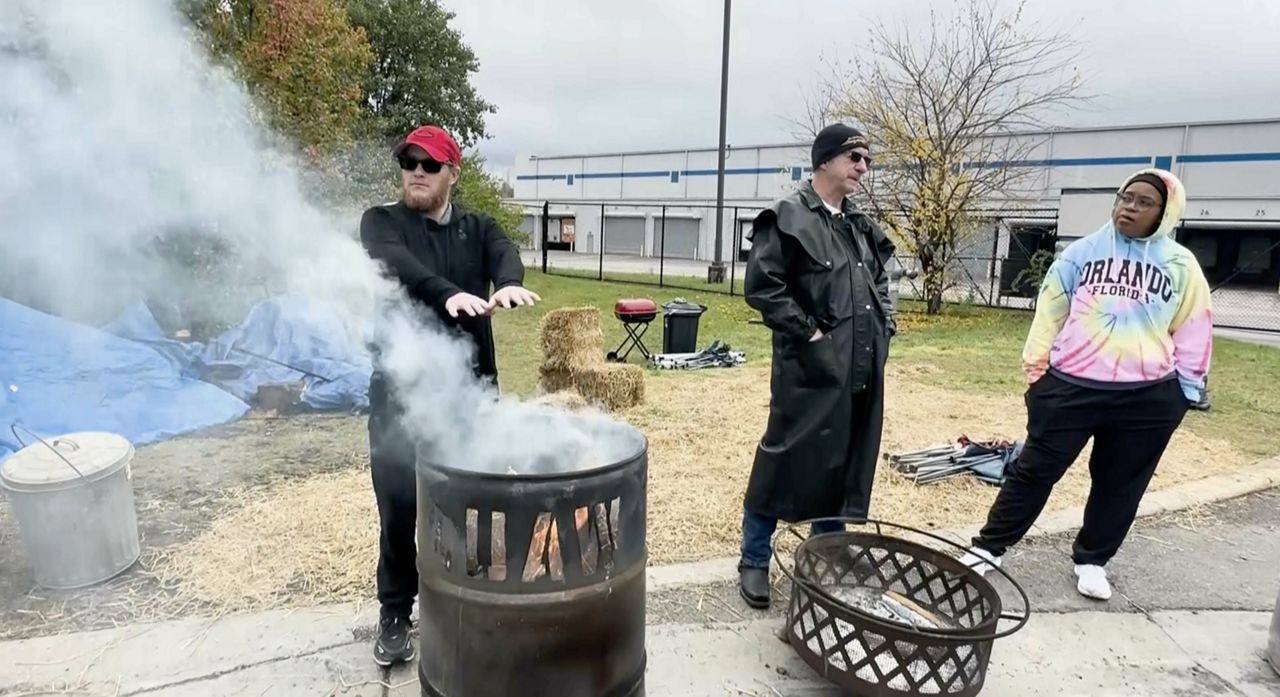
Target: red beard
x,y
424,201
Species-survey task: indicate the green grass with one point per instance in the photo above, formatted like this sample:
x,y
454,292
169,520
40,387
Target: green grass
x,y
968,348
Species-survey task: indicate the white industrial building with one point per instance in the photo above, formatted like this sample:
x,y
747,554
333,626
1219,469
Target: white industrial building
x,y
661,203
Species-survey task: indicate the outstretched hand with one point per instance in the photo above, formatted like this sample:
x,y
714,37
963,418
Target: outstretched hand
x,y
514,296
469,304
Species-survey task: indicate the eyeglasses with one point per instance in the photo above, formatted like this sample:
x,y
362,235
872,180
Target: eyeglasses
x,y
1142,203
857,157
429,165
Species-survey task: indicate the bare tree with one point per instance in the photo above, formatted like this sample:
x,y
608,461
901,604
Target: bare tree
x,y
819,104
944,106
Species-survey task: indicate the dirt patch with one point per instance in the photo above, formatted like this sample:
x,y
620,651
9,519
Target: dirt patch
x,y
281,513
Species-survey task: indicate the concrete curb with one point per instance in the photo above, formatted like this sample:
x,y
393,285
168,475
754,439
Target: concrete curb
x,y
1250,479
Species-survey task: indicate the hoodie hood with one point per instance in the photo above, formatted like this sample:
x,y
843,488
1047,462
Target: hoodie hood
x,y
1175,203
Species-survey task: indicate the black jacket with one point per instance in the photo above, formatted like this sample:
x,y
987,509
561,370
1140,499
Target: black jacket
x,y
809,270
799,280
469,253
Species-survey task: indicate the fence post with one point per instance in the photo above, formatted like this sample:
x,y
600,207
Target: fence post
x,y
600,276
733,253
991,272
662,248
546,215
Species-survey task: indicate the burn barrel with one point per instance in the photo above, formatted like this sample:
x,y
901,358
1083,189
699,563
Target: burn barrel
x,y
533,582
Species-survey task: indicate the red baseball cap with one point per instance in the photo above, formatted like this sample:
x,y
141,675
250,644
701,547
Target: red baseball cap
x,y
440,146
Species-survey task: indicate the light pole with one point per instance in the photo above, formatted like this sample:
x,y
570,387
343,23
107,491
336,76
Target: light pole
x,y
715,273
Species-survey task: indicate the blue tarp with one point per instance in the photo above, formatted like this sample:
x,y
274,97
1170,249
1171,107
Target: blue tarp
x,y
288,340
129,378
60,377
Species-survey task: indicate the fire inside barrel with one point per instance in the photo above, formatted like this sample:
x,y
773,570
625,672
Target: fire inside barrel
x,y
533,584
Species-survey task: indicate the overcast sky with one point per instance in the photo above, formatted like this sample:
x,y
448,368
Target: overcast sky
x,y
572,76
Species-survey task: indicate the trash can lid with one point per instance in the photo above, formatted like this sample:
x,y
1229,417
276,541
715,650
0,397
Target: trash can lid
x,y
680,306
90,452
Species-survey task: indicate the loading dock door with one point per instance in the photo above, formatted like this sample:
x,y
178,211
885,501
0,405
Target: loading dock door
x,y
623,235
681,238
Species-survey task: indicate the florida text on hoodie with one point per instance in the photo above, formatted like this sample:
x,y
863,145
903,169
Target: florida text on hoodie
x,y
1119,312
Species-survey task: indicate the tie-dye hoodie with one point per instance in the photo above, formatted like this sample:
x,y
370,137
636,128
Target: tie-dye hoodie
x,y
1118,312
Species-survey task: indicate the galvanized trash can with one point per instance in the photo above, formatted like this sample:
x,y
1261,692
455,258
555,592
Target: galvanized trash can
x,y
72,497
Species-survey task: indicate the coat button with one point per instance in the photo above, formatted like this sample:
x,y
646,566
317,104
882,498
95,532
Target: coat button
x,y
859,264
828,263
868,307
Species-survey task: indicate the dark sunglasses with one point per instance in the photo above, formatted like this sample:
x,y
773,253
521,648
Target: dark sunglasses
x,y
429,165
857,157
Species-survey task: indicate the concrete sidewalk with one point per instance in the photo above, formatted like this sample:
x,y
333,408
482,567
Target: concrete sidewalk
x,y
1193,603
322,652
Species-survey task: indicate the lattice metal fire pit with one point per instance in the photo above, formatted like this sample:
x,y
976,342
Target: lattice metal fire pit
x,y
879,615
533,584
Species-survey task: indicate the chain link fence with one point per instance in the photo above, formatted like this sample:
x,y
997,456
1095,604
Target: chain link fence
x,y
1000,263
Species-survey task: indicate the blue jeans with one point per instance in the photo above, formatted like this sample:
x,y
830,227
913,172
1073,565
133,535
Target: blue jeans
x,y
756,531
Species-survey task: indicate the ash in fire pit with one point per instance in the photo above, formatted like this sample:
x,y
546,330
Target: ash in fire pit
x,y
532,569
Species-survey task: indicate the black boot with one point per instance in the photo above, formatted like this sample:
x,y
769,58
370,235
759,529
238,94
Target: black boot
x,y
753,583
394,645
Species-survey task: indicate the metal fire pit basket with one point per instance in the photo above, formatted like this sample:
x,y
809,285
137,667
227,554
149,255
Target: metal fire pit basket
x,y
533,585
938,643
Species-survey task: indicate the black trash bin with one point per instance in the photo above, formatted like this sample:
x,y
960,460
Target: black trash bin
x,y
680,326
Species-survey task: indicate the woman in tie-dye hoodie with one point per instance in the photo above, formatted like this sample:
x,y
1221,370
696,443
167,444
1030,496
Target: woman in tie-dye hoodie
x,y
1118,351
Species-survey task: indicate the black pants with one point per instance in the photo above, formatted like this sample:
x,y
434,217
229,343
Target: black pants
x,y
391,460
1130,430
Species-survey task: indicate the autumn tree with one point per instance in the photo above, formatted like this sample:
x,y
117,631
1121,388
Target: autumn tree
x,y
347,78
942,105
302,59
421,72
479,190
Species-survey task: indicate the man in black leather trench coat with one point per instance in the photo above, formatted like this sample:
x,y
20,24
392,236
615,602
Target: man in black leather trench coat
x,y
818,275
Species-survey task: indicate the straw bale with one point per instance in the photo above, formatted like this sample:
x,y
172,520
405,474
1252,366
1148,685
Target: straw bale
x,y
615,385
572,338
564,399
556,379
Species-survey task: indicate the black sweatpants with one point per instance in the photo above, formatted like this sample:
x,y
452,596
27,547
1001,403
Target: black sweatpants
x,y
391,461
1130,430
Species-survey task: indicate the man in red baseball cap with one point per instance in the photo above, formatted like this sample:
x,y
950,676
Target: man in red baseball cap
x,y
448,259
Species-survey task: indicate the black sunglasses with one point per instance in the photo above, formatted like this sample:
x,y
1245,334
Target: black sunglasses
x,y
857,157
429,165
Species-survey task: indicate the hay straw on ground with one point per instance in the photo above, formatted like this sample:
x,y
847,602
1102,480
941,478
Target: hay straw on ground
x,y
301,542
571,338
703,429
315,540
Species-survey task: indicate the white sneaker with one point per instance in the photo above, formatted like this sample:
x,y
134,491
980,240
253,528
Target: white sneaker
x,y
980,560
1092,582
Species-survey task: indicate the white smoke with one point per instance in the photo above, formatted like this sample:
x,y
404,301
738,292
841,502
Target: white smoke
x,y
116,130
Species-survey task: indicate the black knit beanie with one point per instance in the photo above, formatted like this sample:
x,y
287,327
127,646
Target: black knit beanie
x,y
835,139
